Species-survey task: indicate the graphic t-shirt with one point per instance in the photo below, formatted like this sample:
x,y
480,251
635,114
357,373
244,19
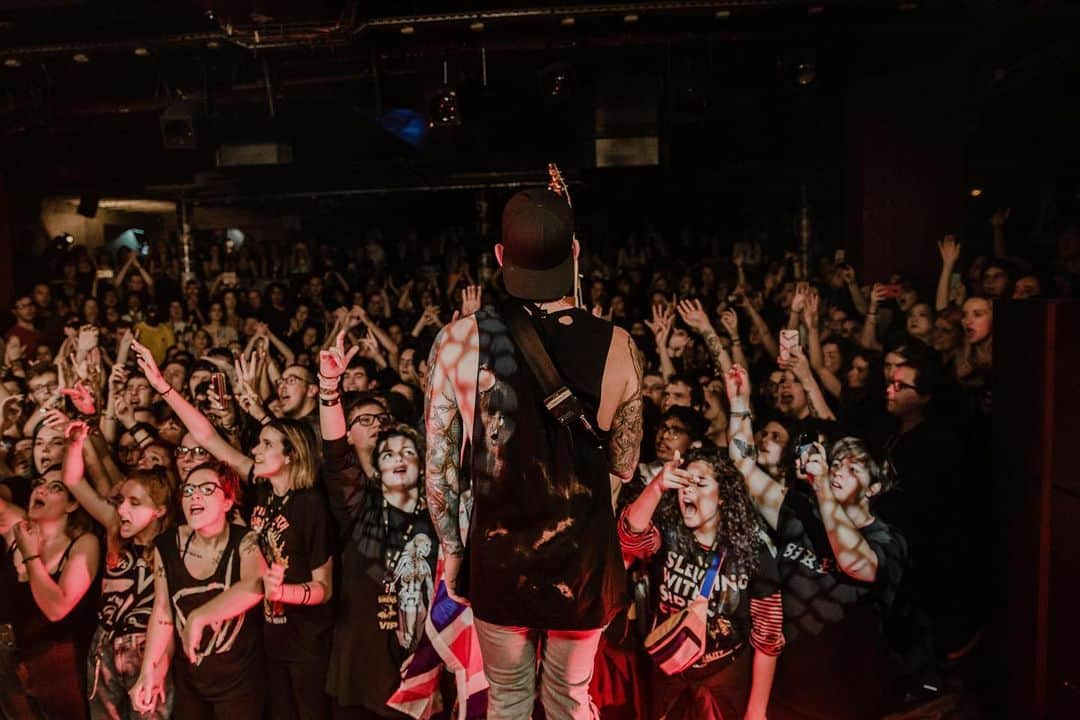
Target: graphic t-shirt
x,y
832,620
127,593
743,608
295,531
371,637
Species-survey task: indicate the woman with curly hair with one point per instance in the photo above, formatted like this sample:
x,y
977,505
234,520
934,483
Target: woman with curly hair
x,y
709,521
840,568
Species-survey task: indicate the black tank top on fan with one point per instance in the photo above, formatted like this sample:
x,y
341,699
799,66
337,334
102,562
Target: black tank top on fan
x,y
230,651
542,551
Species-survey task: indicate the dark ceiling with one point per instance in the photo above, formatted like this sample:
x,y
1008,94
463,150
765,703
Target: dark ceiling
x,y
84,83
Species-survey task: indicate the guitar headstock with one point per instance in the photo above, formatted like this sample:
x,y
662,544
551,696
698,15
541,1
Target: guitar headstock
x,y
557,184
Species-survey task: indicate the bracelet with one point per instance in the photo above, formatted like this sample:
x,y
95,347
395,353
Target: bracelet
x,y
166,393
26,560
332,380
330,402
266,419
307,594
739,414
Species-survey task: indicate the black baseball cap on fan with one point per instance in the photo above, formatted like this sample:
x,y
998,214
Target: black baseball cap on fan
x,y
537,239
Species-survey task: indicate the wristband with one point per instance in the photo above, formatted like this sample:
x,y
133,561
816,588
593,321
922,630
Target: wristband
x,y
266,419
26,560
166,393
307,594
739,414
330,402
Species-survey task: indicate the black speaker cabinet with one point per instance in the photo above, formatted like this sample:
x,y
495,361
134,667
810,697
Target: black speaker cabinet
x,y
1035,631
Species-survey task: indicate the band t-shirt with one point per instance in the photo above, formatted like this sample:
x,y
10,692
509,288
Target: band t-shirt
x,y
295,531
127,593
230,656
831,619
379,543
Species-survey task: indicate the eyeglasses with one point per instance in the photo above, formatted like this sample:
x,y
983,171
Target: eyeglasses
x,y
898,385
45,386
368,419
673,430
291,380
205,489
197,452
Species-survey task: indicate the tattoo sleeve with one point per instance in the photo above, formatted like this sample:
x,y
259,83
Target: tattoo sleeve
x,y
443,424
744,449
624,445
721,359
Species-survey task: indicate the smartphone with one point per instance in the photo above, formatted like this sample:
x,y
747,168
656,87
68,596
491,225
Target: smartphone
x,y
893,291
217,381
788,340
838,258
804,445
104,274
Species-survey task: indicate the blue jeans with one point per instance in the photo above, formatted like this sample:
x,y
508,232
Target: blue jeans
x,y
510,663
112,670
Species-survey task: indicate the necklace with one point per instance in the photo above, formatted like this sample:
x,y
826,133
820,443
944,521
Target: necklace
x,y
387,613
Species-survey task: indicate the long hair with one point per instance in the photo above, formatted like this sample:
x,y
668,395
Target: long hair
x,y
739,528
298,440
160,485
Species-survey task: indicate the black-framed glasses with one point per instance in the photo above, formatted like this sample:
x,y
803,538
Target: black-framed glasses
x,y
369,419
291,380
673,430
196,452
898,385
205,489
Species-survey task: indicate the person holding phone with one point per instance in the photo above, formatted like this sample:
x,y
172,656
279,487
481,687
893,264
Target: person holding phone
x,y
840,567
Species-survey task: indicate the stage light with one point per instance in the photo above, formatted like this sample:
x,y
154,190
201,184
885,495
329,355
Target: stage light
x,y
557,82
976,192
12,62
477,26
631,18
443,108
142,52
213,44
81,58
567,22
723,14
407,30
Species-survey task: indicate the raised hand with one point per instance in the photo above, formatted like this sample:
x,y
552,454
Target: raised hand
x,y
694,316
811,309
76,432
671,476
81,398
798,301
148,366
87,339
470,299
28,538
950,250
729,319
332,362
660,325
877,294
737,385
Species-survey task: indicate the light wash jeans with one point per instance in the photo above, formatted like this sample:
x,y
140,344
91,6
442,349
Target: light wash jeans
x,y
510,663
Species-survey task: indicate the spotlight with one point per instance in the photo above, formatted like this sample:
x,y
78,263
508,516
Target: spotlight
x,y
407,30
723,14
477,26
567,22
443,108
213,44
631,18
12,62
557,82
81,58
142,52
976,192
806,74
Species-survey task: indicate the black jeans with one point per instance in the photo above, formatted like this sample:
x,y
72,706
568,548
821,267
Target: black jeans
x,y
43,682
243,705
297,690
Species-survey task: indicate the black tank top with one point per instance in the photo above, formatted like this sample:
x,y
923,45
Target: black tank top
x,y
32,628
127,593
230,652
543,552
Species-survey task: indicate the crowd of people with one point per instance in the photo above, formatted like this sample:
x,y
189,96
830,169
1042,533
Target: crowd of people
x,y
212,478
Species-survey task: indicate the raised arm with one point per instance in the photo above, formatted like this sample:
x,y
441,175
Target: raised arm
x,y
196,423
767,494
696,319
800,366
853,553
660,325
817,357
57,598
950,254
442,421
73,469
767,339
868,336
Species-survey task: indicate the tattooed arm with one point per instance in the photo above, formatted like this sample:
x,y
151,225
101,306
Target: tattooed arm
x,y
149,690
620,399
442,421
767,494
